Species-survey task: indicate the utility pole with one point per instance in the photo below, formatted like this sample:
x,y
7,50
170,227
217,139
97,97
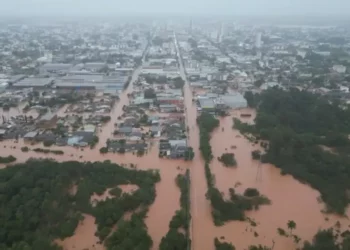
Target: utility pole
x,y
259,173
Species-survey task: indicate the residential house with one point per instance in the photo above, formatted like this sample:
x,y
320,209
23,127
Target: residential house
x,y
135,136
169,100
156,131
48,120
30,136
167,108
126,131
177,151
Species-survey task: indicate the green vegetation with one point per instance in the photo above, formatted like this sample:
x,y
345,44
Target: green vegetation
x,y
37,206
105,118
223,245
7,159
24,149
251,192
48,151
48,143
296,123
131,234
256,155
94,141
291,225
175,239
327,240
222,210
189,154
207,123
281,231
116,192
149,94
104,150
179,83
259,247
228,159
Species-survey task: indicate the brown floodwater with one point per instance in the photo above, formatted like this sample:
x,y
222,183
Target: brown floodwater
x,y
127,188
291,200
84,236
168,194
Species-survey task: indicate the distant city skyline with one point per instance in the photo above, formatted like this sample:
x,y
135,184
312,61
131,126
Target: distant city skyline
x,y
188,7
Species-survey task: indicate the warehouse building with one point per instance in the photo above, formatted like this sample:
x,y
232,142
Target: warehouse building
x,y
233,100
34,82
54,68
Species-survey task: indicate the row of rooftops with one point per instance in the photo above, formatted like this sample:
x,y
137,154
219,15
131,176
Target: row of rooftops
x,y
72,80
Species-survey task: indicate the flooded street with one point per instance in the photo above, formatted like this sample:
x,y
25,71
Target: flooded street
x,y
290,199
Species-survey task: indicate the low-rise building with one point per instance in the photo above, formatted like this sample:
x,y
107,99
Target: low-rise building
x,y
34,82
166,108
47,120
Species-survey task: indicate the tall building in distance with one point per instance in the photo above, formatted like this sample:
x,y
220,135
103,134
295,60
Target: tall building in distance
x,y
258,40
191,26
221,32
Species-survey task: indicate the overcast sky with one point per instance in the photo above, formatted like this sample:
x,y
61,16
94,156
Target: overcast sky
x,y
227,7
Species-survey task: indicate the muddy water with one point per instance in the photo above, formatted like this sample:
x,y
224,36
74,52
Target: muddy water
x,y
84,237
17,111
168,194
291,200
128,188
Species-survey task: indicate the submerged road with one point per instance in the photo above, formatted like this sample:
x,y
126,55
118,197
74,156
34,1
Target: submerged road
x,y
200,207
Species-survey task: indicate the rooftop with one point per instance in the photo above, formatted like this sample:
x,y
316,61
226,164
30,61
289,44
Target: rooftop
x,y
34,81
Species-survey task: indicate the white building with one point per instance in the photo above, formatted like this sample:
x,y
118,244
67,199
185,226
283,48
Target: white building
x,y
339,69
233,100
267,85
258,40
3,86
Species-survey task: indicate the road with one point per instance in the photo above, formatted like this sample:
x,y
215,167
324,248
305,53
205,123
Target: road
x,y
200,207
108,129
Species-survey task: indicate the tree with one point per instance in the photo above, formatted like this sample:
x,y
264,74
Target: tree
x,y
228,159
281,231
44,183
291,225
189,154
259,82
323,240
149,94
223,245
103,150
179,83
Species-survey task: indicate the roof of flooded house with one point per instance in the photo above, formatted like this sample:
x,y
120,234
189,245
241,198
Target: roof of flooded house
x,y
31,134
48,116
56,66
89,128
33,81
178,142
74,140
155,129
125,130
206,103
166,98
167,106
136,133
